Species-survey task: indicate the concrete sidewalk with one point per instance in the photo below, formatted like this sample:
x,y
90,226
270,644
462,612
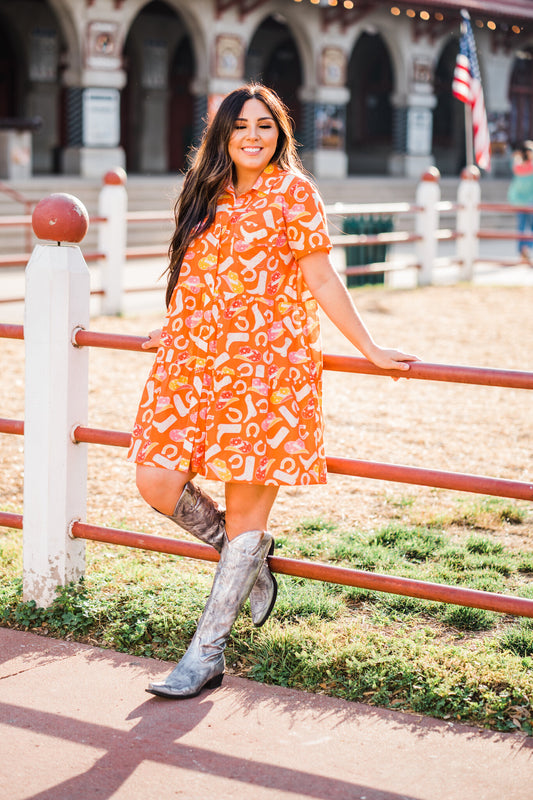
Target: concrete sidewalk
x,y
76,723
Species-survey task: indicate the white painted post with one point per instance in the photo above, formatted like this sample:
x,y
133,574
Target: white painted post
x,y
427,224
113,204
468,199
56,399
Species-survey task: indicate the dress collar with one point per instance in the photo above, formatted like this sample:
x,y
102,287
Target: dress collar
x,y
259,185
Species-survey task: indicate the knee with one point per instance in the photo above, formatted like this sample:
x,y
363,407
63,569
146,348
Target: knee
x,y
148,486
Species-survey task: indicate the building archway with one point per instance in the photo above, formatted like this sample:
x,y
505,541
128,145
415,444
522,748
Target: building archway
x,y
157,108
369,113
31,44
449,146
9,72
521,97
274,60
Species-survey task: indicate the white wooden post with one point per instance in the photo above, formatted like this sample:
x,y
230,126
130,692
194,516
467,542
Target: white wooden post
x,y
56,399
113,205
468,199
427,224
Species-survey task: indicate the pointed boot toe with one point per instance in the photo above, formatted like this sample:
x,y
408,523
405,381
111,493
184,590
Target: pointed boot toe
x,y
177,692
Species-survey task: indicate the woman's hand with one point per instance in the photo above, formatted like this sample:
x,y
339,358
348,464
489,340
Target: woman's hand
x,y
153,341
391,359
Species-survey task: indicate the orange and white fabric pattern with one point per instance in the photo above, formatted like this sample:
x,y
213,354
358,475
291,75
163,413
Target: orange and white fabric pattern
x,y
235,390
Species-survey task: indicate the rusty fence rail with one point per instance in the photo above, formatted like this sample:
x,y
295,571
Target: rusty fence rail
x,y
324,572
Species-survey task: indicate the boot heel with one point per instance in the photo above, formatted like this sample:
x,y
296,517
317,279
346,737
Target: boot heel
x,y
214,683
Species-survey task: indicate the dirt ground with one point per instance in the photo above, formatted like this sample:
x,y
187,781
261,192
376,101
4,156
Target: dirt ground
x,y
460,428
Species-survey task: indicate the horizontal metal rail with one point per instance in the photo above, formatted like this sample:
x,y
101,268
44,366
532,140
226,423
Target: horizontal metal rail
x,y
505,207
15,426
418,370
492,234
8,331
21,259
357,239
343,576
9,520
378,267
149,216
347,209
397,473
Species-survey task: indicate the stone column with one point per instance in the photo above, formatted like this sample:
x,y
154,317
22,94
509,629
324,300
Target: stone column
x,y
412,135
93,105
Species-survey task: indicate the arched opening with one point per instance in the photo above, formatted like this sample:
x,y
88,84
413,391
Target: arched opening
x,y
181,105
9,69
157,109
369,112
449,146
521,97
273,59
31,43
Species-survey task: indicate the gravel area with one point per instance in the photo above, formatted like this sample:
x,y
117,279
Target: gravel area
x,y
479,430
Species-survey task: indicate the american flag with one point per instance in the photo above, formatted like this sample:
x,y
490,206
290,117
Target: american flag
x,y
467,88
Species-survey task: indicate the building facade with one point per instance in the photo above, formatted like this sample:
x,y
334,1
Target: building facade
x,y
128,82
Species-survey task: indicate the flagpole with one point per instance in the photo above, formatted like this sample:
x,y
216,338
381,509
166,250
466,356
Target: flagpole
x,y
469,138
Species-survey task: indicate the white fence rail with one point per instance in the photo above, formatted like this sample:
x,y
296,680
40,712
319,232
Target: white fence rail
x,y
423,238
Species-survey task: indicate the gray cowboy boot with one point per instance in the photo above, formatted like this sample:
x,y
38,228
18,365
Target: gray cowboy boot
x,y
203,665
199,515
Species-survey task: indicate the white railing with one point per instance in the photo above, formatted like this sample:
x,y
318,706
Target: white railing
x,y
423,237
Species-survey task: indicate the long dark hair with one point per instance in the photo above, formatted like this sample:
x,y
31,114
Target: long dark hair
x,y
213,169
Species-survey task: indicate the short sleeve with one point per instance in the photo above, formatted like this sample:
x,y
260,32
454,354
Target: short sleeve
x,y
305,218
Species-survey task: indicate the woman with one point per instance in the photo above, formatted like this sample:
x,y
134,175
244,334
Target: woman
x,y
521,194
235,390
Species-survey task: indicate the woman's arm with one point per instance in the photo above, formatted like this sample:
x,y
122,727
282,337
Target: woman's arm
x,y
332,296
153,341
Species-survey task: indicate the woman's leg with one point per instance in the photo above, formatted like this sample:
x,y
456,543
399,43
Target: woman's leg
x,y
175,496
522,224
161,488
248,507
242,558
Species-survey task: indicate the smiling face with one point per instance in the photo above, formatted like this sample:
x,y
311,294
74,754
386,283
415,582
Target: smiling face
x,y
253,141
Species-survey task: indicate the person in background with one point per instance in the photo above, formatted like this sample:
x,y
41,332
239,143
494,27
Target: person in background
x,y
234,394
521,194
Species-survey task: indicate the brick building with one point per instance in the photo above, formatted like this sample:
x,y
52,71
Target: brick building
x,y
368,82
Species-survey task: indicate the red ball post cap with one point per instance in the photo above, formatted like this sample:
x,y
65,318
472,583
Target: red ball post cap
x,y
431,175
115,177
60,218
470,173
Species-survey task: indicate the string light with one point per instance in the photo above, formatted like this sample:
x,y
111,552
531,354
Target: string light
x,y
395,11
516,29
348,4
424,15
439,16
332,2
410,13
491,25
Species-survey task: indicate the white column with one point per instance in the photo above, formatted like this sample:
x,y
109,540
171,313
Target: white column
x,y
427,224
113,204
56,399
468,199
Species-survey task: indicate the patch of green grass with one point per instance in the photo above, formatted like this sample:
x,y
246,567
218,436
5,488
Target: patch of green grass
x,y
413,544
315,525
519,640
489,512
384,649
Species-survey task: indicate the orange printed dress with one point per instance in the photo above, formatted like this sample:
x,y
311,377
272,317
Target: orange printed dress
x,y
235,390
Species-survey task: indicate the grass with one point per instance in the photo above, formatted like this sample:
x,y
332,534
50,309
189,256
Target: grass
x,y
445,661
